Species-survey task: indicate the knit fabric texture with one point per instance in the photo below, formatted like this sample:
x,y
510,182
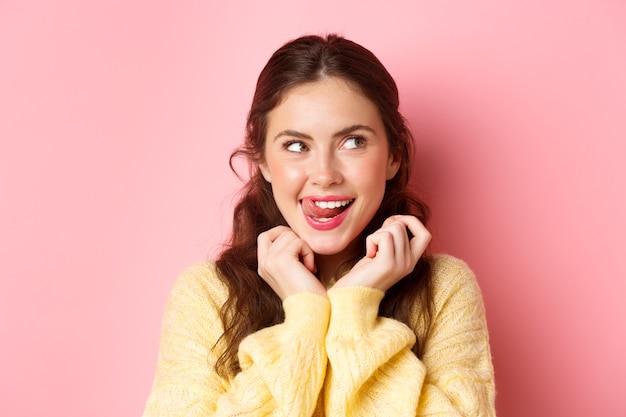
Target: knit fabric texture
x,y
332,356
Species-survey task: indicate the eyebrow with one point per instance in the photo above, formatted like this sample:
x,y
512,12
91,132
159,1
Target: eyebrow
x,y
342,132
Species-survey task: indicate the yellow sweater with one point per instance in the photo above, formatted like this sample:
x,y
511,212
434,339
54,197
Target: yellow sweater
x,y
332,356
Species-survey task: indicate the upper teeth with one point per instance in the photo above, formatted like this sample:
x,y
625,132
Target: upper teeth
x,y
332,204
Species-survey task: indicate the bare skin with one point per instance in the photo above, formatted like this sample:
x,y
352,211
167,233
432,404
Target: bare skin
x,y
287,263
326,144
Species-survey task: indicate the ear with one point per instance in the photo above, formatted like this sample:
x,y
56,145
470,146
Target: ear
x,y
393,165
265,172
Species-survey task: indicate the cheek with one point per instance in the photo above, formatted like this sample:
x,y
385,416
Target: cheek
x,y
287,178
371,172
286,173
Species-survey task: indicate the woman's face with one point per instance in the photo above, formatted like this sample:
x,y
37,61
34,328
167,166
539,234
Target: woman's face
x,y
327,158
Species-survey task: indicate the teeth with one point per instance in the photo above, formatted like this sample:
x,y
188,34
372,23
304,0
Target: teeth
x,y
332,204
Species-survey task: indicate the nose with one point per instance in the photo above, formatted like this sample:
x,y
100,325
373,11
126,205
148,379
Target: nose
x,y
324,171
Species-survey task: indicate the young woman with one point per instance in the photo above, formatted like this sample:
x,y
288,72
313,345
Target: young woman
x,y
324,301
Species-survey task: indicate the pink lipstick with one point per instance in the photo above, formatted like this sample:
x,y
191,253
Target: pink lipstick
x,y
325,212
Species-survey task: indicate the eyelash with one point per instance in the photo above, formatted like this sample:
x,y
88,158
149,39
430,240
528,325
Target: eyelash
x,y
287,144
303,147
359,138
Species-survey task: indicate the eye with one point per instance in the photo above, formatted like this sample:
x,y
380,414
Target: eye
x,y
354,142
295,146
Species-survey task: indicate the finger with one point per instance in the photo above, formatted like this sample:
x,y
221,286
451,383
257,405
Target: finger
x,y
371,246
421,236
397,231
285,243
392,219
272,234
265,239
308,257
266,242
399,225
281,241
380,243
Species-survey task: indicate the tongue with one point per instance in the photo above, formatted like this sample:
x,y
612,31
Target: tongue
x,y
310,209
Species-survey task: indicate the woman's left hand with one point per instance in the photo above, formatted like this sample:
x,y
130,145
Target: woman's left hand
x,y
390,255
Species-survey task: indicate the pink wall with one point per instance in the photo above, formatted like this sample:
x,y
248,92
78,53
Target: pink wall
x,y
116,120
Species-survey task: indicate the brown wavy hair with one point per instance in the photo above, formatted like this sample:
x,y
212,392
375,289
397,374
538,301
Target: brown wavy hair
x,y
252,305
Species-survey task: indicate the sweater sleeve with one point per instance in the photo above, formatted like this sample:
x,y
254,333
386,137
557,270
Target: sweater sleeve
x,y
374,372
283,366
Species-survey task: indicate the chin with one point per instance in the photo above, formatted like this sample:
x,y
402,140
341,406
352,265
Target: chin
x,y
328,247
326,251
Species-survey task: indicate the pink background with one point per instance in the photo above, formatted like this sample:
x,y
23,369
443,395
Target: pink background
x,y
117,119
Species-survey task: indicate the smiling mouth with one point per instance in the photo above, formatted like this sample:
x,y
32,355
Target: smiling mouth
x,y
324,211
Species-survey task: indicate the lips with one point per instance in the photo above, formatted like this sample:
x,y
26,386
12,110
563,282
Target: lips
x,y
324,209
325,213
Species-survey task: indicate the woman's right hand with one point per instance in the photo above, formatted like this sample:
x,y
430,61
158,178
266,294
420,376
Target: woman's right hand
x,y
287,263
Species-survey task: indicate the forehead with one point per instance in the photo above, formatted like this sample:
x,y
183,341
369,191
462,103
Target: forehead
x,y
330,102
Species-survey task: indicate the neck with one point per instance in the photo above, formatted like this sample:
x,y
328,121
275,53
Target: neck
x,y
327,268
332,267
